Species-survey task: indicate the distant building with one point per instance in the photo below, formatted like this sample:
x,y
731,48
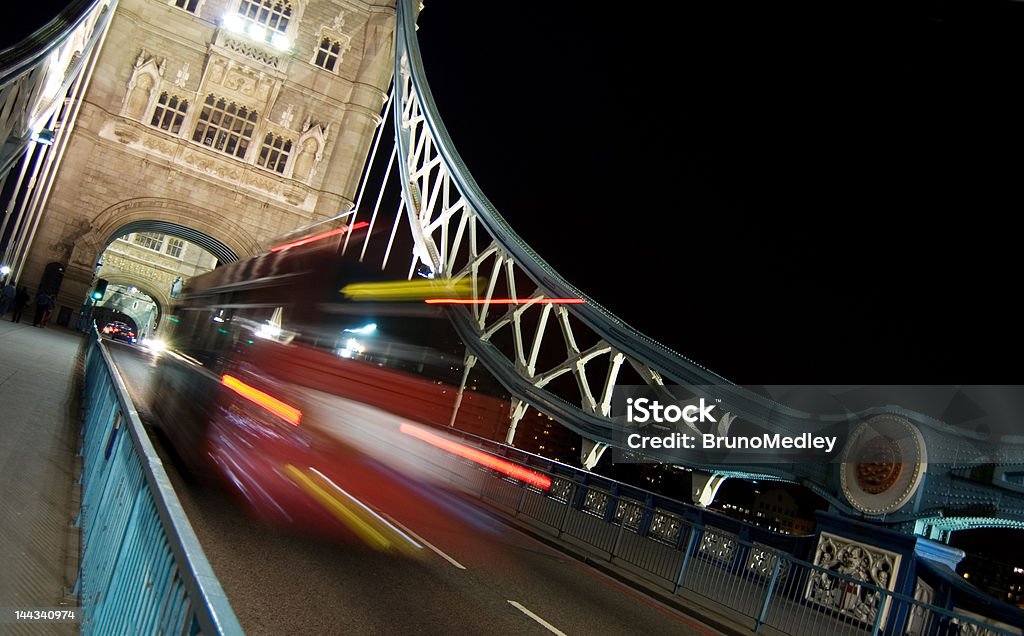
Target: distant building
x,y
1001,580
540,434
778,510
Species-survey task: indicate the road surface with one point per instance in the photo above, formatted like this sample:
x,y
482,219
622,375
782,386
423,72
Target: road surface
x,y
492,580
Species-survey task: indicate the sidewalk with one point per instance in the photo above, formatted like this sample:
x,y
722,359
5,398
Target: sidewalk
x,y
39,427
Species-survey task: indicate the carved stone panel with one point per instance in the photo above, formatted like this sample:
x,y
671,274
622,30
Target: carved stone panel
x,y
852,563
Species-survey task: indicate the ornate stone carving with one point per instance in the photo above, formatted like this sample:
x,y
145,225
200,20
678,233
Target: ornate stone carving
x,y
339,22
853,563
287,116
212,166
917,620
126,133
310,147
306,159
137,268
161,146
295,194
182,76
238,82
261,182
217,69
255,53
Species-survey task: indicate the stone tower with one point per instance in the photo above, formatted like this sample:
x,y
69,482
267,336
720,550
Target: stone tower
x,y
233,121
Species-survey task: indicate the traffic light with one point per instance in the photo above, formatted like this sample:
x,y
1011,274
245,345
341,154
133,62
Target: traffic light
x,y
100,289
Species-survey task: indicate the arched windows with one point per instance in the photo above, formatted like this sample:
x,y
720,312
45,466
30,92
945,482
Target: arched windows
x,y
274,15
274,153
225,126
328,53
169,113
192,6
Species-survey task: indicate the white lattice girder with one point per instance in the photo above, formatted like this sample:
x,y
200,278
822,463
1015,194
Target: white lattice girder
x,y
448,230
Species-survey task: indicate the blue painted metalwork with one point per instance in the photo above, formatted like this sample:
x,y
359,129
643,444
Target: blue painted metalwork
x,y
765,577
142,569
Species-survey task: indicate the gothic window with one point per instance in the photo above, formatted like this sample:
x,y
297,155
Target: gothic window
x,y
192,6
274,153
272,14
169,112
328,53
175,247
225,126
149,240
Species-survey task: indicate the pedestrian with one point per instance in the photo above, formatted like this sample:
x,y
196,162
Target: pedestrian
x,y
50,304
20,300
7,294
42,304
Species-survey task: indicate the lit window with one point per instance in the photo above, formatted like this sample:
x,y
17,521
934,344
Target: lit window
x,y
192,6
175,247
169,113
328,53
274,153
272,14
225,126
150,240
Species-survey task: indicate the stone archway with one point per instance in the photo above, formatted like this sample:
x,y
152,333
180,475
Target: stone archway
x,y
223,253
162,215
160,296
216,233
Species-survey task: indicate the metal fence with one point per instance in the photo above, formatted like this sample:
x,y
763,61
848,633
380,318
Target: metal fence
x,y
142,569
768,589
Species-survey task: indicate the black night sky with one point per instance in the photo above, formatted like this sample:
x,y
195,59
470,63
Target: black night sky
x,y
828,189
29,16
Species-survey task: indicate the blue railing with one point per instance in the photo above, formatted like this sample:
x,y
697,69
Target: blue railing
x,y
760,579
142,569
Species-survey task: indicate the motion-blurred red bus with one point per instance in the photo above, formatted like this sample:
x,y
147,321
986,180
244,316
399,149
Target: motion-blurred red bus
x,y
289,392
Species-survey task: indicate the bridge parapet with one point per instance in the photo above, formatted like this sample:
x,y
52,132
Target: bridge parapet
x,y
142,569
848,578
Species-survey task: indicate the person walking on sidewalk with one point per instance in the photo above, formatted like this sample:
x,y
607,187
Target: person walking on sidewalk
x,y
44,305
20,300
7,294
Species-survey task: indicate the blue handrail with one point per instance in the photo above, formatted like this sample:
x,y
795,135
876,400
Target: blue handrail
x,y
142,568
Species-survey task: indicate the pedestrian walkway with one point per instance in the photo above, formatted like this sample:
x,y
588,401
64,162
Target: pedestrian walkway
x,y
39,430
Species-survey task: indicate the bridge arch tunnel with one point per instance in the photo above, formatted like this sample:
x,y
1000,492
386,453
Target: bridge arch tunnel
x,y
91,250
221,251
139,300
145,263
